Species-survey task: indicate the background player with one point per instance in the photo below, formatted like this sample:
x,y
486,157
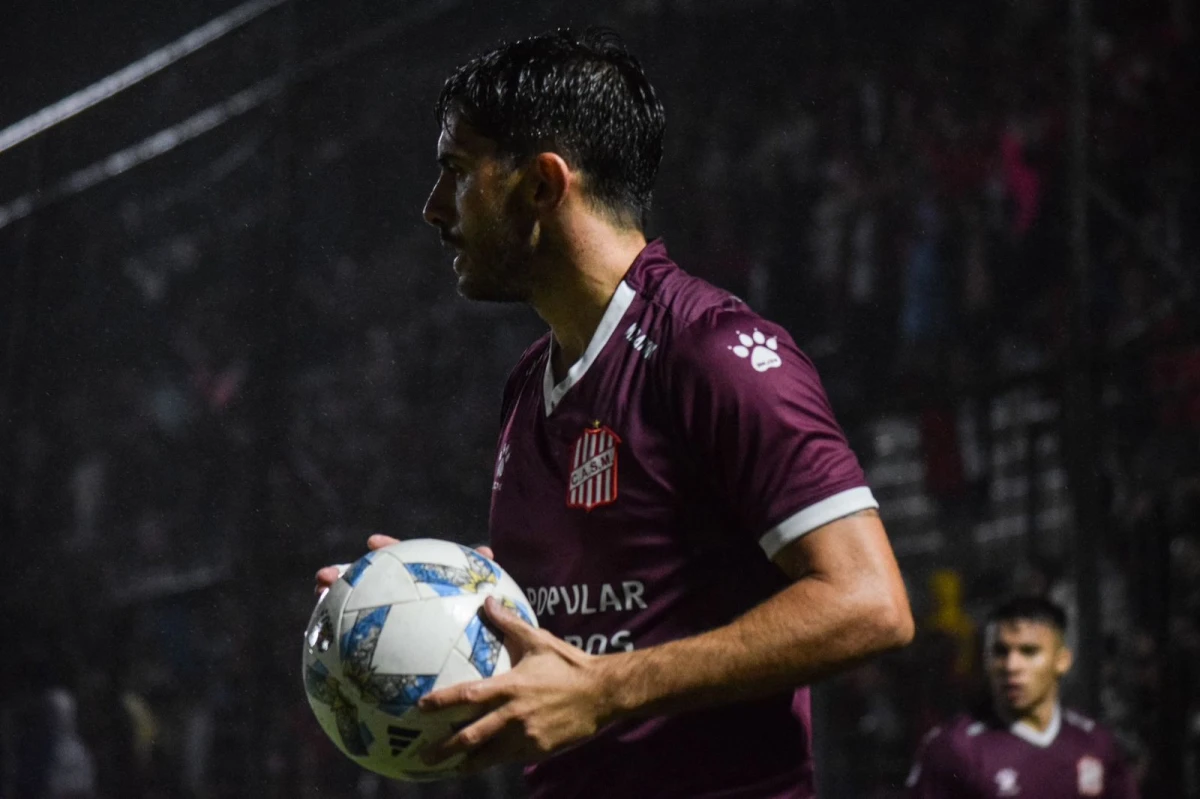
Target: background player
x,y
1026,744
671,487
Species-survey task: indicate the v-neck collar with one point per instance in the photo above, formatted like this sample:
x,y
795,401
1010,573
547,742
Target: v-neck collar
x,y
621,300
1041,739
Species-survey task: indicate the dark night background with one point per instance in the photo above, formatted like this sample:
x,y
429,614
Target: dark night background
x,y
225,365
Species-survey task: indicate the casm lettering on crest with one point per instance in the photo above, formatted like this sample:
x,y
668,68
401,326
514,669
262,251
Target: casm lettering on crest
x,y
593,480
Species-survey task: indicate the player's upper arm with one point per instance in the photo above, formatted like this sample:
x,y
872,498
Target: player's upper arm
x,y
854,555
756,421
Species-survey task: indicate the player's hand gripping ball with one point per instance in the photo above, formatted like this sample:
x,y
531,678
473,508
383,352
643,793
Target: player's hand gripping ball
x,y
401,622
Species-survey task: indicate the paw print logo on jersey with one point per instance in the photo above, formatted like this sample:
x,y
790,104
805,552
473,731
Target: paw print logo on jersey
x,y
1006,783
761,350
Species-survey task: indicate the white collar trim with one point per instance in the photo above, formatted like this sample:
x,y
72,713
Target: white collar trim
x,y
617,306
1042,739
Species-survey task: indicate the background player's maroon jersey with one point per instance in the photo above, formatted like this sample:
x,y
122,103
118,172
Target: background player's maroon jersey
x,y
974,758
640,500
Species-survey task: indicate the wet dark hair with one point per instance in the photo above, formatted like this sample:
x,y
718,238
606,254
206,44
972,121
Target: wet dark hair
x,y
580,95
1030,608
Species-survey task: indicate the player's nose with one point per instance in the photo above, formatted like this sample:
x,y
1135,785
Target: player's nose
x,y
439,209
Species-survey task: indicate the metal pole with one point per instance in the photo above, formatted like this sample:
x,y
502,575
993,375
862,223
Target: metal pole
x,y
1080,406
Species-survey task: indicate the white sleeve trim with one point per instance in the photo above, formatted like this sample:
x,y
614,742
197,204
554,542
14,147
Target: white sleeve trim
x,y
805,521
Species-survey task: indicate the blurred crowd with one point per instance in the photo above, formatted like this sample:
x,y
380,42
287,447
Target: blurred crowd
x,y
204,431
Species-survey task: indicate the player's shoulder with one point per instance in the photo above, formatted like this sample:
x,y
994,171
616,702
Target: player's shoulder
x,y
527,367
1075,719
955,736
1083,726
534,355
714,324
945,755
693,318
682,297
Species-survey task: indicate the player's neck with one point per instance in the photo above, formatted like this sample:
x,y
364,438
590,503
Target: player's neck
x,y
579,287
1038,718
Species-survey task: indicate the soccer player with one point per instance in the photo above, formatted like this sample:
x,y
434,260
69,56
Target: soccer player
x,y
1027,745
671,488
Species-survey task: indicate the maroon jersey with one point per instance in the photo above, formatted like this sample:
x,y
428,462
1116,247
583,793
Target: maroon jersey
x,y
640,500
976,758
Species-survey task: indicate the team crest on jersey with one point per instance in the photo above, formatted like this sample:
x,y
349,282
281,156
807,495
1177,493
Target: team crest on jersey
x,y
1091,776
593,468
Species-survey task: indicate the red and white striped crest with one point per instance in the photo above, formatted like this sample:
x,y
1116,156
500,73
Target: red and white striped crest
x,y
1091,776
593,469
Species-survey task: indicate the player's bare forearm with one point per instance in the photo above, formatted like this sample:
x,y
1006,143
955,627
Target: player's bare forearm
x,y
847,603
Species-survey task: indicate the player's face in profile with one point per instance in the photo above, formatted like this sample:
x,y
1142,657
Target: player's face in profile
x,y
476,206
1026,659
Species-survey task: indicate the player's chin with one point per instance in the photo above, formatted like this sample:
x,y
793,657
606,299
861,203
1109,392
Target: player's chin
x,y
474,286
474,289
1017,704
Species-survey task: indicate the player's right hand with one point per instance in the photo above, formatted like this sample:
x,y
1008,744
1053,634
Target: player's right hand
x,y
329,575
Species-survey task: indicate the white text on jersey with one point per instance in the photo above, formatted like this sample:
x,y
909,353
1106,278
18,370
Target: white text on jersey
x,y
579,599
636,336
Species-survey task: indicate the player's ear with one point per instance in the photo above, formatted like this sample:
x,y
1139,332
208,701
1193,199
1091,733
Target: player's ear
x,y
1063,660
552,179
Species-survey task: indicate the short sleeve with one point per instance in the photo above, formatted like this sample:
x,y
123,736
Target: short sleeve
x,y
758,424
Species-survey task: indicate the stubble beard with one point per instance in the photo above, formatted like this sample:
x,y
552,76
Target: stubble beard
x,y
500,269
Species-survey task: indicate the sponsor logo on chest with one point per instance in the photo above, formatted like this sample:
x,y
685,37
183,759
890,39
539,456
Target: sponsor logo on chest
x,y
593,468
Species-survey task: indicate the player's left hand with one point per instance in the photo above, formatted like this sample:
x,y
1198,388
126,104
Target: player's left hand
x,y
550,699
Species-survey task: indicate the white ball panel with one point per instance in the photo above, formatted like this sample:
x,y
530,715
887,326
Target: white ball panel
x,y
425,591
384,582
456,670
463,647
417,636
320,649
428,550
333,599
392,733
397,745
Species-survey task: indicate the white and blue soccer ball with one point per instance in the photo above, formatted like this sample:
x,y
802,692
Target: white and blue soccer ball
x,y
401,622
